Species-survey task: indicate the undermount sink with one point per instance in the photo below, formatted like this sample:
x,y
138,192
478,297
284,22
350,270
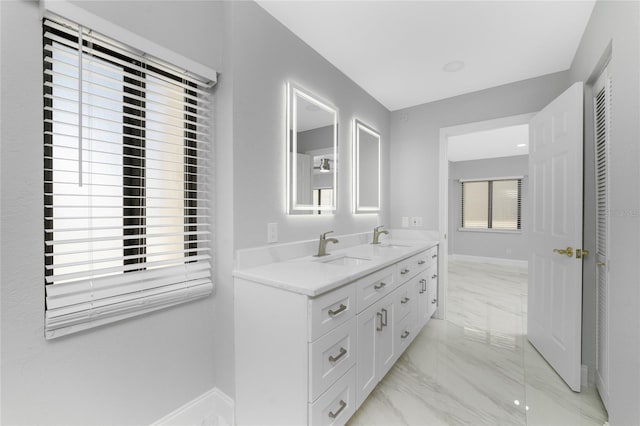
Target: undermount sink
x,y
390,246
346,261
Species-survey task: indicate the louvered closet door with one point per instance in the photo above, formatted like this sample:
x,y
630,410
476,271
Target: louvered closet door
x,y
602,119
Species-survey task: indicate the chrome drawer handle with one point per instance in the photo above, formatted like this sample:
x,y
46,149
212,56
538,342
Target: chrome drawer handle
x,y
379,286
384,323
434,276
342,353
404,271
405,334
337,413
379,315
404,300
434,256
434,301
422,262
340,309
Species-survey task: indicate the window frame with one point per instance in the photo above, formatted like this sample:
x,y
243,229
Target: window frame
x,y
490,194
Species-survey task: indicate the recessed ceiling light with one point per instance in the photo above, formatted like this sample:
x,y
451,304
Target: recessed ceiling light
x,y
453,66
521,145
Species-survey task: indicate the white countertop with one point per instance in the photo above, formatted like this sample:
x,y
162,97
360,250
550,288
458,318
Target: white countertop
x,y
313,276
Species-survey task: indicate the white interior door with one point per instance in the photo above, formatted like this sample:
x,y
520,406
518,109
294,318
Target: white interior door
x,y
554,315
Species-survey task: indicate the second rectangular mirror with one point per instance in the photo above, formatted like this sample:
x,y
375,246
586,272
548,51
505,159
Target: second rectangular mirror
x,y
312,146
366,168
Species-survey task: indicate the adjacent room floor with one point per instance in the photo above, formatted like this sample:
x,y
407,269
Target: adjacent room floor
x,y
477,367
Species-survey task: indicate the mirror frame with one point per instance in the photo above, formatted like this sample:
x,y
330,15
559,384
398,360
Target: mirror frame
x,y
359,126
293,93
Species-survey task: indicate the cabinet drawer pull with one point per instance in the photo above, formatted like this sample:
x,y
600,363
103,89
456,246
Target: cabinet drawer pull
x,y
434,276
379,315
405,334
384,311
421,262
379,286
404,271
404,300
423,288
434,301
340,309
434,256
333,415
342,353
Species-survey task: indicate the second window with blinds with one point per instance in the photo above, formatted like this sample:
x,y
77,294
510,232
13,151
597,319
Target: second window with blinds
x,y
491,204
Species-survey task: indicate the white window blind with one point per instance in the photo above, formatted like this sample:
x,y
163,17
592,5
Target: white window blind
x,y
127,181
602,120
491,204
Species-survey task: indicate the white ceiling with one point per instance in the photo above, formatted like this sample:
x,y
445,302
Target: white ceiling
x,y
502,142
396,50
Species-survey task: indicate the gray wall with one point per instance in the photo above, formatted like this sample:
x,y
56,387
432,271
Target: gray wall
x,y
615,23
488,244
261,55
415,133
131,372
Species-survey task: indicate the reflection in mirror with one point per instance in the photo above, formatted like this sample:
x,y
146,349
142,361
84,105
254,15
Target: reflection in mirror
x,y
312,135
366,169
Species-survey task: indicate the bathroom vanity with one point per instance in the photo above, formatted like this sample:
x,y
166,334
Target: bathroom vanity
x,y
314,335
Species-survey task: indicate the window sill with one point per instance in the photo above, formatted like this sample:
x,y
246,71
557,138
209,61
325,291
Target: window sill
x,y
491,231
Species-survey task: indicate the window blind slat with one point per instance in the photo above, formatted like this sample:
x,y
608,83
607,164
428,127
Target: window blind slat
x,y
127,181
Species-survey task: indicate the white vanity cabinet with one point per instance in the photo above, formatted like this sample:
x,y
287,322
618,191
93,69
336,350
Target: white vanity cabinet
x,y
313,358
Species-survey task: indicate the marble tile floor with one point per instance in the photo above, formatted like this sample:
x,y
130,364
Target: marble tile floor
x,y
477,367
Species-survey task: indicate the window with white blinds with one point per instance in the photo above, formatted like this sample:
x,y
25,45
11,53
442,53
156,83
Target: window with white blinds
x,y
127,169
491,204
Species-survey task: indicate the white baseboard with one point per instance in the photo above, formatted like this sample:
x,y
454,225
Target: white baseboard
x,y
492,260
212,408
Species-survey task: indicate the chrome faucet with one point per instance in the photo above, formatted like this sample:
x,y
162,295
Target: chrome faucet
x,y
322,247
376,233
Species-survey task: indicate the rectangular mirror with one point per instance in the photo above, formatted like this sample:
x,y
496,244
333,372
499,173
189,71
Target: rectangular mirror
x,y
312,148
366,168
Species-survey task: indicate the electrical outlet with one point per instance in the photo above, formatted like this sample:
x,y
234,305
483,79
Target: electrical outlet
x,y
272,232
405,222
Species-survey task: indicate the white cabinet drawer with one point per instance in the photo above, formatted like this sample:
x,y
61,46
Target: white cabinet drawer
x,y
433,255
337,404
330,357
330,310
404,333
405,298
411,266
373,287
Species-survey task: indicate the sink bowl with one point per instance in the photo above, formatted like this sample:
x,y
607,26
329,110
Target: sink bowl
x,y
390,246
346,261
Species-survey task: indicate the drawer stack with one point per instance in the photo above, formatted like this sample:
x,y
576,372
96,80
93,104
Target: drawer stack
x,y
332,356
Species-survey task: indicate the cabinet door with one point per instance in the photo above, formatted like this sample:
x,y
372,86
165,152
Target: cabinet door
x,y
422,295
369,323
385,342
433,292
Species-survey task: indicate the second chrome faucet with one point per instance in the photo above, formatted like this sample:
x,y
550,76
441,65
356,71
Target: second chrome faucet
x,y
376,233
322,247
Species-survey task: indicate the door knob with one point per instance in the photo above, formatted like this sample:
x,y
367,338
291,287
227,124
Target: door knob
x,y
568,251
